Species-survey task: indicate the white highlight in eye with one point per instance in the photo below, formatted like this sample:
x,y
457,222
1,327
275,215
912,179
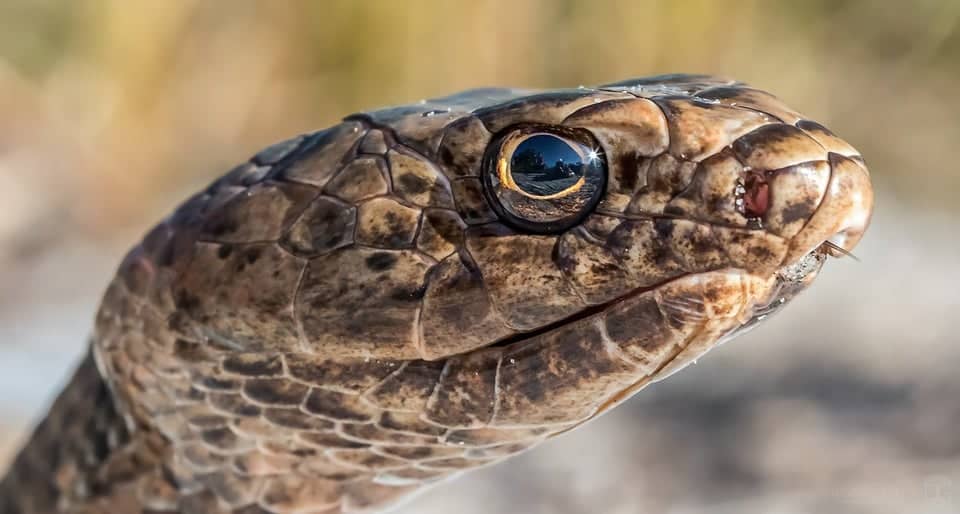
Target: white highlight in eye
x,y
593,155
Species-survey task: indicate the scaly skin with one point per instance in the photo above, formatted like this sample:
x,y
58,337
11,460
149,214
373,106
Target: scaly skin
x,y
348,318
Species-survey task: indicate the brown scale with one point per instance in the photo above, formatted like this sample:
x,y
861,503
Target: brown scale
x,y
386,223
362,179
324,226
344,319
419,182
360,302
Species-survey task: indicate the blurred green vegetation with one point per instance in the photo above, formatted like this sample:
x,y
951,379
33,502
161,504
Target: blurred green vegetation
x,y
131,102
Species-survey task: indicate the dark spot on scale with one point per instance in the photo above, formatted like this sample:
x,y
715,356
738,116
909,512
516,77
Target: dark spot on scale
x,y
392,220
555,255
328,216
721,93
252,365
812,126
224,251
187,301
567,347
220,384
247,411
798,211
407,294
252,255
629,171
764,136
713,294
221,227
662,255
603,269
413,184
419,292
381,261
761,252
190,351
167,254
446,155
598,365
563,260
533,388
419,453
621,324
617,239
275,391
333,405
664,228
447,225
702,244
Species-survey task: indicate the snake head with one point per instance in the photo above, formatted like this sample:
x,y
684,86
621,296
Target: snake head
x,y
477,272
658,215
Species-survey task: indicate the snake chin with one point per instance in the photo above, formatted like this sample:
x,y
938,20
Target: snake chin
x,y
791,280
805,266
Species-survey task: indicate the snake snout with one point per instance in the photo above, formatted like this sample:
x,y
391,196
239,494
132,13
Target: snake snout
x,y
843,213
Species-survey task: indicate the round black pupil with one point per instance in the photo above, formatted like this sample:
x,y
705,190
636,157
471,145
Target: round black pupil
x,y
544,165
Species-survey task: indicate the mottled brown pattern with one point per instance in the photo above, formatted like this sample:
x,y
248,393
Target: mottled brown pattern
x,y
327,224
365,177
345,319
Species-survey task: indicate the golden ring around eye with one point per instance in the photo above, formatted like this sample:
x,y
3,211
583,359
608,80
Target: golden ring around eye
x,y
544,178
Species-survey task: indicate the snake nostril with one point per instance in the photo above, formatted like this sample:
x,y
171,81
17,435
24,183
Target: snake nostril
x,y
755,195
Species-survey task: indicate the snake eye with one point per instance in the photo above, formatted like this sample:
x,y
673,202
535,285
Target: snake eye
x,y
543,178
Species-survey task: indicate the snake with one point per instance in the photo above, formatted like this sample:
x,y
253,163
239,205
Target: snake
x,y
356,314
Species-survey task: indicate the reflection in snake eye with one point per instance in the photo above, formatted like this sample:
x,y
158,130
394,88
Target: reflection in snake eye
x,y
544,165
544,179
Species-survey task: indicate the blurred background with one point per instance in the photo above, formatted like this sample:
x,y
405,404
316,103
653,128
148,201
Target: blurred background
x,y
112,111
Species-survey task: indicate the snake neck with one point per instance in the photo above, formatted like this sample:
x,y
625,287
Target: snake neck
x,y
75,452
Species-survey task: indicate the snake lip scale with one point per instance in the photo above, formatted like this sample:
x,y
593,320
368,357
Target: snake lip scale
x,y
582,315
353,315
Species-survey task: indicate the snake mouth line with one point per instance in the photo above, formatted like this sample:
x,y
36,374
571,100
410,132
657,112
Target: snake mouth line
x,y
586,313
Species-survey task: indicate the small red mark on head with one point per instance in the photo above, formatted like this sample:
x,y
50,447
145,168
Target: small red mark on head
x,y
756,195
